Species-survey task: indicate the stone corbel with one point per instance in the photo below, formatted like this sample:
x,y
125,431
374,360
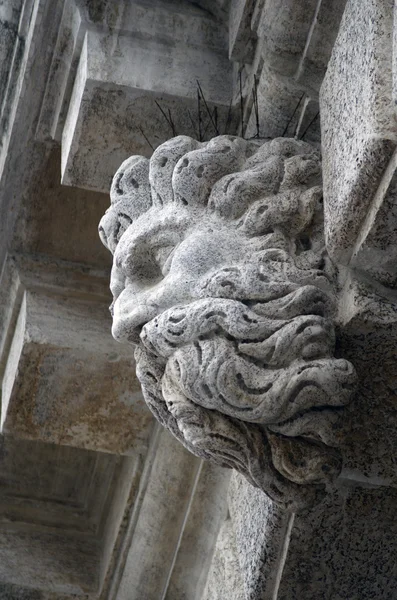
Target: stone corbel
x,y
222,281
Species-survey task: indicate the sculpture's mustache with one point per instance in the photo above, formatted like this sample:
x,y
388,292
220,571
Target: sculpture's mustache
x,y
248,322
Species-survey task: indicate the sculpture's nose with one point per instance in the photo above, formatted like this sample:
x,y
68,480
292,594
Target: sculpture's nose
x,y
129,318
138,304
108,229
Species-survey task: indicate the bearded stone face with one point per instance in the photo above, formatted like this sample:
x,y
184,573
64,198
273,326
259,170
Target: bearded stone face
x,y
221,281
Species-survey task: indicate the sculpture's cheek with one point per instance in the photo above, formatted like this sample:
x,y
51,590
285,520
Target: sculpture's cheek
x,y
203,251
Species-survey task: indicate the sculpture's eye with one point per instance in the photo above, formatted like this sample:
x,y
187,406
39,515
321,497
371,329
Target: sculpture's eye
x,y
163,256
123,222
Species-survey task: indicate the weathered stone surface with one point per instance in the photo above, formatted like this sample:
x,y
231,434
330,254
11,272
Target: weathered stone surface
x,y
342,548
285,26
19,155
56,504
221,279
176,524
298,37
241,36
295,40
261,530
278,97
358,118
206,511
57,216
170,22
368,319
9,16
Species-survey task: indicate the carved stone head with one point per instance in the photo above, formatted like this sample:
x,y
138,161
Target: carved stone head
x,y
221,279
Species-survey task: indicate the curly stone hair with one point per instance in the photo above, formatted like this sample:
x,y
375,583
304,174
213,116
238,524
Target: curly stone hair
x,y
260,186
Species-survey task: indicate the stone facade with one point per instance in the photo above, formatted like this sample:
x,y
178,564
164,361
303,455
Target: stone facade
x,y
98,501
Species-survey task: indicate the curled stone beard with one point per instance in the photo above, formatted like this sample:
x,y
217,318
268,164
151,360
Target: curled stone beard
x,y
252,385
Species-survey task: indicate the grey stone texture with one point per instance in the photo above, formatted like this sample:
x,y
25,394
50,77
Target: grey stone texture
x,y
375,250
173,541
367,314
353,559
120,78
224,579
261,530
342,549
295,40
63,383
358,119
55,506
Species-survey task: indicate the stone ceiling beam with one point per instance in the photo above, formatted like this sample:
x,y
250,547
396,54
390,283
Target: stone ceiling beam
x,y
113,105
62,381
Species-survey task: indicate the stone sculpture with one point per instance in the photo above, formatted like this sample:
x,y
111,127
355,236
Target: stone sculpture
x,y
221,280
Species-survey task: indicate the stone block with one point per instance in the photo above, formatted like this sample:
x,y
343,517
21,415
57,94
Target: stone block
x,y
65,380
181,510
319,44
345,548
113,105
375,250
278,97
285,27
224,580
295,41
185,23
358,120
261,530
241,37
9,17
206,512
